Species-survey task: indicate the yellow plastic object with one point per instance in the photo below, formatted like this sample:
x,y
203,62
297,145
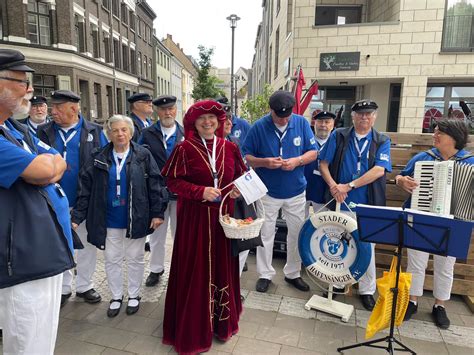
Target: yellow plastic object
x,y
380,317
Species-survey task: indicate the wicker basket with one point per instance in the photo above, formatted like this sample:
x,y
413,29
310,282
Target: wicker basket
x,y
247,231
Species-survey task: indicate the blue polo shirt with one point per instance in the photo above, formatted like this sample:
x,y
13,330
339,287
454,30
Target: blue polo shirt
x,y
348,169
14,160
117,208
240,129
263,141
72,150
316,187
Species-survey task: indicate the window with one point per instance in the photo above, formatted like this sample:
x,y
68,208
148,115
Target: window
x,y
131,18
106,4
139,66
458,30
79,34
110,101
97,103
133,61
107,47
289,18
270,64
116,7
337,15
124,10
444,101
44,84
277,51
95,41
117,63
39,28
125,59
119,101
145,67
139,27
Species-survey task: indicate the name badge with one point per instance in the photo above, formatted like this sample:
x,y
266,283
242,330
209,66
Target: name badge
x,y
118,202
316,172
60,190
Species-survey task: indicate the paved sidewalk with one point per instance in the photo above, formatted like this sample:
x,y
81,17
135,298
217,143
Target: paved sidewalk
x,y
272,323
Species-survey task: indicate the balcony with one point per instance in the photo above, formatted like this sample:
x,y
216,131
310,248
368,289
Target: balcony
x,y
458,33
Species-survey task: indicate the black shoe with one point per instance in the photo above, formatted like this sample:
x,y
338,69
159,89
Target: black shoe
x,y
334,289
153,278
133,309
64,299
411,310
298,283
147,246
245,267
262,285
90,296
114,312
368,302
440,317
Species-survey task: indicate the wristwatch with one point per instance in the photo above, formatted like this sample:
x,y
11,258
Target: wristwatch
x,y
352,185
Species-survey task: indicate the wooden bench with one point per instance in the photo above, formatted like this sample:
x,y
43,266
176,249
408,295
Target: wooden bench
x,y
404,147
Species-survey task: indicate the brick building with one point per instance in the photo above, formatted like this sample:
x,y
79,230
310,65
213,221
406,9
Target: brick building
x,y
414,57
102,49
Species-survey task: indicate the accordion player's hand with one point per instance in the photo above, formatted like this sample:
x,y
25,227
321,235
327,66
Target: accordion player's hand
x,y
407,183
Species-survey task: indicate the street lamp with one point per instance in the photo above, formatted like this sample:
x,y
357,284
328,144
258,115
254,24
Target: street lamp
x,y
233,24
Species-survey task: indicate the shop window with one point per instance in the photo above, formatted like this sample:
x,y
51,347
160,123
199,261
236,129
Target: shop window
x,y
337,15
39,28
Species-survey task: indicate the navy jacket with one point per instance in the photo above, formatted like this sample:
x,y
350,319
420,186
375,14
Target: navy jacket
x,y
32,243
147,195
376,190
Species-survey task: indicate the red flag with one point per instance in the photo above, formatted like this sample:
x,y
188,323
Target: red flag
x,y
300,83
313,90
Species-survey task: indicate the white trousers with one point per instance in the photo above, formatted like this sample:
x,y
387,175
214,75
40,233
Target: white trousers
x,y
158,239
86,260
367,283
117,248
30,315
242,259
293,209
443,269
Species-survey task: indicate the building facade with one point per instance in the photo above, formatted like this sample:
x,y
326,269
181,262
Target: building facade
x,y
413,57
176,86
163,69
101,49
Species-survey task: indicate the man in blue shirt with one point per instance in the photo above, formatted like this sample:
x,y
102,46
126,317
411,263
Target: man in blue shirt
x,y
38,114
316,187
75,138
278,146
449,139
160,139
354,162
34,253
240,127
141,109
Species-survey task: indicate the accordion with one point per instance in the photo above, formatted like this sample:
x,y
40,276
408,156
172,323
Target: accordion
x,y
446,188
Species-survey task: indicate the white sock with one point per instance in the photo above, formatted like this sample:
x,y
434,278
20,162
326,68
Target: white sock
x,y
115,305
133,302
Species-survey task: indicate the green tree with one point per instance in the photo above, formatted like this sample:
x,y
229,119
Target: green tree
x,y
254,108
206,85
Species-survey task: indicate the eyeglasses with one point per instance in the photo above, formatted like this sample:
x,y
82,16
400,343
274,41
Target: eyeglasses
x,y
27,82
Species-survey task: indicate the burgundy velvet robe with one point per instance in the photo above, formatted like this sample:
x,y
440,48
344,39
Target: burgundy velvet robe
x,y
203,296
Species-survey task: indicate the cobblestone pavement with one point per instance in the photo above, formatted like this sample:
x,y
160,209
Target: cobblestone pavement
x,y
272,323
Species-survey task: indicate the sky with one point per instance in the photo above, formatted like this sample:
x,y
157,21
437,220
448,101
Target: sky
x,y
195,22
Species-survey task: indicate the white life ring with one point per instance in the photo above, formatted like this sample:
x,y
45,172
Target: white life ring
x,y
330,249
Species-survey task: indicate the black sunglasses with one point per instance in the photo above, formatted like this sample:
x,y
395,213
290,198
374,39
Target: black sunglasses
x,y
27,82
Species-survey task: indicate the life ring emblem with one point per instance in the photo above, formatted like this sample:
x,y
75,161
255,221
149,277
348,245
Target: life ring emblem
x,y
330,249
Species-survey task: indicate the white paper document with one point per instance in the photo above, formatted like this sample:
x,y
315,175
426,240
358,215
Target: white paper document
x,y
251,187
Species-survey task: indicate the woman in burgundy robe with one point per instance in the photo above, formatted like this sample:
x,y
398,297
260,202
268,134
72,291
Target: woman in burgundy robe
x,y
203,296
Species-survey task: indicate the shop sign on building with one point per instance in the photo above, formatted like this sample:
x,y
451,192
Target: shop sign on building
x,y
339,61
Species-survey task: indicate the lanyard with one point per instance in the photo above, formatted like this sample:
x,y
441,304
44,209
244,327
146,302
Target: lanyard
x,y
66,141
119,164
280,140
165,140
31,127
212,160
359,152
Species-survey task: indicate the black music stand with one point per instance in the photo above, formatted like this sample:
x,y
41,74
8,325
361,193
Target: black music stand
x,y
396,224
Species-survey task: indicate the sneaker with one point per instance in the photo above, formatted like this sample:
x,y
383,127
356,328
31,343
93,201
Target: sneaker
x,y
411,310
440,317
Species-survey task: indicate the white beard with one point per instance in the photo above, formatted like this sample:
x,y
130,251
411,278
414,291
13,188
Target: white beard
x,y
19,107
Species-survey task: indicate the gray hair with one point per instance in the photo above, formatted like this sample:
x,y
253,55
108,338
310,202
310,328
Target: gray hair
x,y
118,118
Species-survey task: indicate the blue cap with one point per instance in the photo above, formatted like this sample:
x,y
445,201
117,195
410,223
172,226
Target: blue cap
x,y
282,102
324,114
61,96
364,106
11,59
139,96
164,101
38,99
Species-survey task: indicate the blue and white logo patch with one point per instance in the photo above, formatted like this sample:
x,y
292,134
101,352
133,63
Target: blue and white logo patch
x,y
312,141
297,141
237,133
384,157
